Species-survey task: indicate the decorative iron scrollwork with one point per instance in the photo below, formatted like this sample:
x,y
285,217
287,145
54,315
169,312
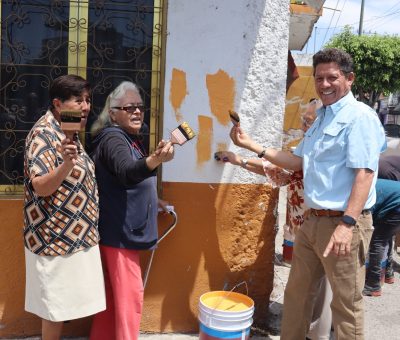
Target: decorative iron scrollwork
x,y
36,42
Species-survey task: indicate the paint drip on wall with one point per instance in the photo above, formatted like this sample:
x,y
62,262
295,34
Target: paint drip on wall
x,y
221,93
178,92
204,139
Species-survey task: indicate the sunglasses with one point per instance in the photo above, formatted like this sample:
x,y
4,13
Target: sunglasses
x,y
131,108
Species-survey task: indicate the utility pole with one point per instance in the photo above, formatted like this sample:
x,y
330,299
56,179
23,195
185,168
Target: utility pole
x,y
360,27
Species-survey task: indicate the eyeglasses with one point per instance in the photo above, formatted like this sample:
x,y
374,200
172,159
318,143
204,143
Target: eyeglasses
x,y
131,108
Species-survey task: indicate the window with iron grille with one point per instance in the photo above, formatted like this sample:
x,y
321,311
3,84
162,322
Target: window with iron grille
x,y
105,41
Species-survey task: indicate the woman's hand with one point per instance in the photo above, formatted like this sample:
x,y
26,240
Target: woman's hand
x,y
163,205
164,152
69,151
239,137
228,156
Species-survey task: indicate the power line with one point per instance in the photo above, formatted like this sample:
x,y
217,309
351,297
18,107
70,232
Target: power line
x,y
333,14
341,11
383,23
382,18
357,23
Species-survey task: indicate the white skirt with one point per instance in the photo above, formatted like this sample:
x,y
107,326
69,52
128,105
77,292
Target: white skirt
x,y
61,288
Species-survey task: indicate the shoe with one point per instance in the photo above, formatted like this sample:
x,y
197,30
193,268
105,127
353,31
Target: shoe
x,y
389,279
374,293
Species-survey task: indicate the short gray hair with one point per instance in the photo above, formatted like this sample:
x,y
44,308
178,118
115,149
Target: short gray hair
x,y
113,99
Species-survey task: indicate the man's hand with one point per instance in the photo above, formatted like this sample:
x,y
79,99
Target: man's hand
x,y
340,242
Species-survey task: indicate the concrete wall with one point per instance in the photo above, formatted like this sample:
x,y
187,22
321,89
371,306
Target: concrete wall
x,y
221,54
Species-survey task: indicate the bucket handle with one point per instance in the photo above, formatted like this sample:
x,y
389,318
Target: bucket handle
x,y
229,293
238,285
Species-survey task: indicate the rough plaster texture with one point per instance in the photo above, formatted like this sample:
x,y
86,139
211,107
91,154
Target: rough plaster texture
x,y
249,41
225,235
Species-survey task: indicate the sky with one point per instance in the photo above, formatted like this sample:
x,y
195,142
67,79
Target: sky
x,y
380,16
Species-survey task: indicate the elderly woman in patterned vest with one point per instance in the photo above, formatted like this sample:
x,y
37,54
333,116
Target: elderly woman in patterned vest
x,y
64,278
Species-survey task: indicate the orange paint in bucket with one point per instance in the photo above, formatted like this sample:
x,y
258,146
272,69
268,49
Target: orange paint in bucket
x,y
225,315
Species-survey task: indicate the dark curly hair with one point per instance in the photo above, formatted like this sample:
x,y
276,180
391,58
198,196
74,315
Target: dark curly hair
x,y
334,55
66,86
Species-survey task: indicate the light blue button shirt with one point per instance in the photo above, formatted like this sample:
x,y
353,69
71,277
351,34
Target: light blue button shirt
x,y
346,135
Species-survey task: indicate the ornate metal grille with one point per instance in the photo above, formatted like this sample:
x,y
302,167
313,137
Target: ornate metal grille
x,y
105,41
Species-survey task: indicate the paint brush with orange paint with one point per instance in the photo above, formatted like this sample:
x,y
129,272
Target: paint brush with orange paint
x,y
71,124
234,117
182,134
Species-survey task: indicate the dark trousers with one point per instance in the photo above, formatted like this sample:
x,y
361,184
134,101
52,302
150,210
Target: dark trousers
x,y
383,235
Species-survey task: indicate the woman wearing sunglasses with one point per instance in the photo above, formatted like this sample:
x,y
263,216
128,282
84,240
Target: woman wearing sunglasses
x,y
126,177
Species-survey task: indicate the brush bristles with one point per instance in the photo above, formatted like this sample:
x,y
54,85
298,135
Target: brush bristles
x,y
234,116
187,130
182,134
70,116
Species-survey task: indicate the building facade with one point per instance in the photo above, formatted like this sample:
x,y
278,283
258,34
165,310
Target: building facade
x,y
193,60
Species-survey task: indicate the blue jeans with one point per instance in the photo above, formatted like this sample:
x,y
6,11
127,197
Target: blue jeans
x,y
383,234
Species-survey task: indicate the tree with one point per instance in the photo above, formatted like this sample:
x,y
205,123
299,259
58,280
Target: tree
x,y
376,62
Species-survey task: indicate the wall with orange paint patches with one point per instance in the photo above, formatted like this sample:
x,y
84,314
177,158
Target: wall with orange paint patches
x,y
220,55
236,58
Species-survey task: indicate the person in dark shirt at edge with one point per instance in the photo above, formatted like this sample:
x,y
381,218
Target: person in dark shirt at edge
x,y
386,217
126,177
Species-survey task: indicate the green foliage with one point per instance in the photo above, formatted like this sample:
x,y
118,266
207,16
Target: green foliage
x,y
376,62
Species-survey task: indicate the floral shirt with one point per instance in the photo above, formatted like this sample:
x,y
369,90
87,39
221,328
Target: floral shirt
x,y
66,221
296,207
295,201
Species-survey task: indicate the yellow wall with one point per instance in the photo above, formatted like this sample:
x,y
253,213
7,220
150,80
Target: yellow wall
x,y
297,97
225,235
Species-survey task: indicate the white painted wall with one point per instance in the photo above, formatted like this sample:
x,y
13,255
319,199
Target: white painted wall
x,y
249,41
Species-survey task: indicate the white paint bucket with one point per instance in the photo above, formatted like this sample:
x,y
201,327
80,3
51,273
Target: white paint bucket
x,y
225,315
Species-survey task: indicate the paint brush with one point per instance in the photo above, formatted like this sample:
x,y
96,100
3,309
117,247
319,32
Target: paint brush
x,y
234,117
70,120
182,134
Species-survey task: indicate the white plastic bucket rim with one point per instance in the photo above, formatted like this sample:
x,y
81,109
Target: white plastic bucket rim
x,y
222,313
225,320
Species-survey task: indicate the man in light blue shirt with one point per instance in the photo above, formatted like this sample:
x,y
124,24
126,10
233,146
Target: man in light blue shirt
x,y
339,157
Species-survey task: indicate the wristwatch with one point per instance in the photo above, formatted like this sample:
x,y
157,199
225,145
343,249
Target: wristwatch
x,y
244,162
349,220
262,153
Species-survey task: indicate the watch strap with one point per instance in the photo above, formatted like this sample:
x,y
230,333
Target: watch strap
x,y
262,153
349,220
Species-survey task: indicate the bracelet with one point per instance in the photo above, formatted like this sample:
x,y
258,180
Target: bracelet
x,y
262,153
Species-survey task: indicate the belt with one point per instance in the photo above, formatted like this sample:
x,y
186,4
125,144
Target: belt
x,y
332,213
326,212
